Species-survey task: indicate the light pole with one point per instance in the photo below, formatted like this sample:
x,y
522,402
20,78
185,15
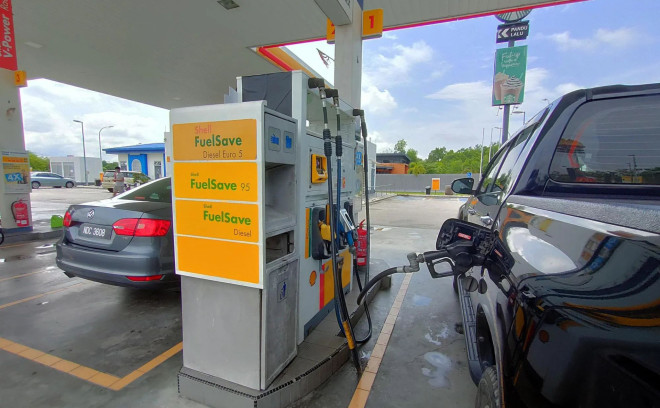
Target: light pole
x,y
490,147
481,163
82,129
523,113
104,127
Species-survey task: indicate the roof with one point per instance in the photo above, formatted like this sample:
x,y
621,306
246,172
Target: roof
x,y
392,157
173,53
143,148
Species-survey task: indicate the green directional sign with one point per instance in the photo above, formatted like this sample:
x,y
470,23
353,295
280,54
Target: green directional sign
x,y
509,77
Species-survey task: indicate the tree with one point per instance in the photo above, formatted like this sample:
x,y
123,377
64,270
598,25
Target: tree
x,y
412,155
400,146
39,163
437,154
417,168
109,165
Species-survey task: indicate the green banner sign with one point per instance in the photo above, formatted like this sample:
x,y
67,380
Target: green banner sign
x,y
509,77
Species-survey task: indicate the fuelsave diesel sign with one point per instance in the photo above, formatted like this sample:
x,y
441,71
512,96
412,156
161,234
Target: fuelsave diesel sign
x,y
8,43
215,199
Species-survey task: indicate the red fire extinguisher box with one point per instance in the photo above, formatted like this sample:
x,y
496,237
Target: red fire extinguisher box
x,y
361,244
20,211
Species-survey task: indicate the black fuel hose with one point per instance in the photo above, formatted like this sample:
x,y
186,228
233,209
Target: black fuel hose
x,y
372,282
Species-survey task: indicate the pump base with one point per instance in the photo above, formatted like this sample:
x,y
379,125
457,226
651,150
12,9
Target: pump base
x,y
320,355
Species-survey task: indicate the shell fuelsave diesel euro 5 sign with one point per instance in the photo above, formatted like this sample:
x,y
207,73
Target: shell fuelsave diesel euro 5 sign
x,y
216,205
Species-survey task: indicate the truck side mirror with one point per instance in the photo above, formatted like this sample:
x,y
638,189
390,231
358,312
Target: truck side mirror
x,y
463,185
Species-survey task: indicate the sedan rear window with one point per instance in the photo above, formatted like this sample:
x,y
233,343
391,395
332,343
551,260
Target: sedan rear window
x,y
159,191
613,141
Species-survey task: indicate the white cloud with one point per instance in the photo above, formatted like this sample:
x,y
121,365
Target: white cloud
x,y
377,101
49,109
478,91
616,38
395,69
562,89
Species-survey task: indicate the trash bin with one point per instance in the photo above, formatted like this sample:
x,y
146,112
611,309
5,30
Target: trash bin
x,y
428,190
97,183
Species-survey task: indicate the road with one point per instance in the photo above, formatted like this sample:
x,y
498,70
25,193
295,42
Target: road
x,y
64,341
424,363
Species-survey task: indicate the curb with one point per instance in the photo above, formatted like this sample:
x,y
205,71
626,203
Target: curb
x,y
31,236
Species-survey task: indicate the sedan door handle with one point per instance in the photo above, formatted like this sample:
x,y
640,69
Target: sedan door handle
x,y
471,211
486,220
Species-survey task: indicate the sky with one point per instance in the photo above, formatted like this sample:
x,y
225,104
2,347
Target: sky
x,y
429,85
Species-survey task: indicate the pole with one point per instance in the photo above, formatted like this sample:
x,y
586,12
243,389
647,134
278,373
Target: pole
x,y
104,127
505,116
82,129
481,163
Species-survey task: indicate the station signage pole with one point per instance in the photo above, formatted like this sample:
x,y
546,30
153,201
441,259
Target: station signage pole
x,y
510,65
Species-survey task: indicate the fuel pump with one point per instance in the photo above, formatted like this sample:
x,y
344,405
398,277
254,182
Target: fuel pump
x,y
345,321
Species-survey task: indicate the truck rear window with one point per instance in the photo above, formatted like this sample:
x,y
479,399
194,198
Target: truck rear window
x,y
613,141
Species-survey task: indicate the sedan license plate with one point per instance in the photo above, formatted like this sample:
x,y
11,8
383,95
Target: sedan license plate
x,y
95,231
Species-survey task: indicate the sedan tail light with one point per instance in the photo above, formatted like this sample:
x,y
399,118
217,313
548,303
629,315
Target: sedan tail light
x,y
67,219
141,227
145,278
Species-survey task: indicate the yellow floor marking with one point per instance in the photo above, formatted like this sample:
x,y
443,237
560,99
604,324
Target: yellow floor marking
x,y
20,276
40,295
85,373
363,389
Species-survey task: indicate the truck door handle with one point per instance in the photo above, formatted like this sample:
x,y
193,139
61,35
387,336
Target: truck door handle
x,y
471,211
486,220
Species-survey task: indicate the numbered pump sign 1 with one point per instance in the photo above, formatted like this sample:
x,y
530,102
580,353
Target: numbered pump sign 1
x,y
509,76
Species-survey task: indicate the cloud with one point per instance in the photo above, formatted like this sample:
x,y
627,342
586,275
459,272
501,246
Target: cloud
x,y
478,91
378,101
394,69
49,109
601,39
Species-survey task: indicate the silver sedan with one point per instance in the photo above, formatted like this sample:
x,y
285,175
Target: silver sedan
x,y
124,241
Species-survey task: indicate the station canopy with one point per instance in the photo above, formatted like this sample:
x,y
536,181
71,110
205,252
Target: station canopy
x,y
173,53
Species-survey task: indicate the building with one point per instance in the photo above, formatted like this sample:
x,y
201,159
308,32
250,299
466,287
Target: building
x,y
74,167
148,158
392,163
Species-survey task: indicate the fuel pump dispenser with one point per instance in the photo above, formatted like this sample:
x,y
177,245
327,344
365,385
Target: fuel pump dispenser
x,y
290,94
257,227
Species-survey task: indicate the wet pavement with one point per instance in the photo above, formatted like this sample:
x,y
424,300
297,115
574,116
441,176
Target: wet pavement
x,y
424,363
67,342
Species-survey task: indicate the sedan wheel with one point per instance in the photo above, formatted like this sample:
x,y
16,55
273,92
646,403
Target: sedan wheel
x,y
69,184
35,185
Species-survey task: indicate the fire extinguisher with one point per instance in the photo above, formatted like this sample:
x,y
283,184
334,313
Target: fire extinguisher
x,y
361,245
20,211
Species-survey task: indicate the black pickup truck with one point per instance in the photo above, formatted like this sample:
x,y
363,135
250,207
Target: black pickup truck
x,y
571,318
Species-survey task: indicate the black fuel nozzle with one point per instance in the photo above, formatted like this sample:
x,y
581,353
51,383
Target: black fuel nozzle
x,y
313,83
363,123
331,93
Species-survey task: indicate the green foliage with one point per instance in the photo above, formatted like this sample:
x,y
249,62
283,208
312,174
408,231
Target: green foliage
x,y
400,146
437,154
443,161
417,168
412,155
109,165
39,163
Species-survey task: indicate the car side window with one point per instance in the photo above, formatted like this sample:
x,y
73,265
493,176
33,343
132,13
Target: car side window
x,y
491,171
507,174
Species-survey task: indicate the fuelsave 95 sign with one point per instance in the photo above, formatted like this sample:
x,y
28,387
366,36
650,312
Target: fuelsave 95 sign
x,y
8,43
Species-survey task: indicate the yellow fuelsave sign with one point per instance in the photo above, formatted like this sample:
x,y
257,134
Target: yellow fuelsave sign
x,y
226,140
216,199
